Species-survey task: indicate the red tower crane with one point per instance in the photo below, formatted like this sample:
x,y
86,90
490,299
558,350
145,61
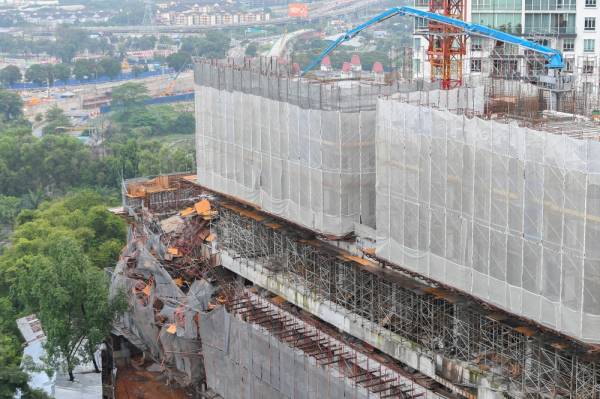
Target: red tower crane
x,y
447,44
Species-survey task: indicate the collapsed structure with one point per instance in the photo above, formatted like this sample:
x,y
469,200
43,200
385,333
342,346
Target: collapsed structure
x,y
470,270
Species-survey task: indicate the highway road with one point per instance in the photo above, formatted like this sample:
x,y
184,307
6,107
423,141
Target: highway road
x,y
320,10
279,47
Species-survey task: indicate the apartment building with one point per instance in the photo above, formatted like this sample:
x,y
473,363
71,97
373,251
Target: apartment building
x,y
573,26
199,17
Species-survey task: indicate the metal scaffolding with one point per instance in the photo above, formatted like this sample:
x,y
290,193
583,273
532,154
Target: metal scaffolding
x,y
525,361
355,367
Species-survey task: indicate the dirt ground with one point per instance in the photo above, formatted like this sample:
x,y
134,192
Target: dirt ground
x,y
142,384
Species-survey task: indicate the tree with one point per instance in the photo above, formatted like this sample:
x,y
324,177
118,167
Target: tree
x,y
56,121
11,106
129,96
11,375
211,45
110,67
70,298
252,50
145,42
62,72
139,69
185,123
9,209
52,164
69,42
179,60
38,73
10,75
84,69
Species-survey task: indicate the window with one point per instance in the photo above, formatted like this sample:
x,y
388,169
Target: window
x,y
569,65
588,67
589,24
495,5
590,3
417,43
476,44
421,23
549,23
589,45
475,65
569,45
550,5
506,22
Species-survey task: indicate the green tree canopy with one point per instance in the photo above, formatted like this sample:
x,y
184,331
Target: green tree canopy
x,y
211,45
179,60
62,72
53,164
70,297
69,42
130,95
11,107
40,74
110,67
9,209
84,69
56,121
10,75
54,268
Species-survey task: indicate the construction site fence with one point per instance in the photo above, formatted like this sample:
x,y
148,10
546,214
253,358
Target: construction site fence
x,y
103,79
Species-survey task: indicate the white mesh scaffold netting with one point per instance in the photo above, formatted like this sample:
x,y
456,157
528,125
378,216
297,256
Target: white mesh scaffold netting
x,y
508,214
314,167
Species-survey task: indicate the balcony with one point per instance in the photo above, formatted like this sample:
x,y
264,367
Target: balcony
x,y
548,30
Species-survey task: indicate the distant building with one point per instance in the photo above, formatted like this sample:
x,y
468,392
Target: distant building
x,y
355,63
570,26
346,70
378,72
87,384
209,16
326,64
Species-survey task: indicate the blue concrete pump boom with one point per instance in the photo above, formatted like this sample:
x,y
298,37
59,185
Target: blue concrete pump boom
x,y
553,57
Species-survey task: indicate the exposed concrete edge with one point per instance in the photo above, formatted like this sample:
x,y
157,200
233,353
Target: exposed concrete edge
x,y
392,344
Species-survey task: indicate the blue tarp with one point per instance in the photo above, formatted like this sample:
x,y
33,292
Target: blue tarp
x,y
102,79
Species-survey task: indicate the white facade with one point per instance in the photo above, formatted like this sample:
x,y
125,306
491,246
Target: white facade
x,y
587,42
572,26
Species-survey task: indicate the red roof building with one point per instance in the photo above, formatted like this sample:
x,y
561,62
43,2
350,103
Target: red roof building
x,y
377,67
326,64
355,62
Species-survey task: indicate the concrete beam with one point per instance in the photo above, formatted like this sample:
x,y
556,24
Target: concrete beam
x,y
405,351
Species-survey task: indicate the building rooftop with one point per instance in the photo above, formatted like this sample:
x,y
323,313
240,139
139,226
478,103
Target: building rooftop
x,y
87,384
378,67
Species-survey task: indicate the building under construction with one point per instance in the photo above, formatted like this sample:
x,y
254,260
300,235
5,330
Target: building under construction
x,y
367,239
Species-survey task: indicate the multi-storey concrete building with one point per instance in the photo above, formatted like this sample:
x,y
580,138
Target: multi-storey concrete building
x,y
568,25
